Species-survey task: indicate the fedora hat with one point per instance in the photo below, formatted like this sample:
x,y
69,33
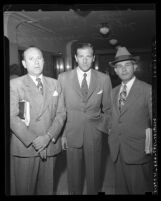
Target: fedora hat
x,y
123,54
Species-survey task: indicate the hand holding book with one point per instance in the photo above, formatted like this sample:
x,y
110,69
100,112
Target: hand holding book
x,y
24,111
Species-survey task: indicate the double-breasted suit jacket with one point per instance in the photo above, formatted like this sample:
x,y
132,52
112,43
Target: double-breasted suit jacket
x,y
47,113
91,117
128,127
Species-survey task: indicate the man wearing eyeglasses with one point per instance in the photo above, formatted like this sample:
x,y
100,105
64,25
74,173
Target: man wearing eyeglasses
x,y
130,137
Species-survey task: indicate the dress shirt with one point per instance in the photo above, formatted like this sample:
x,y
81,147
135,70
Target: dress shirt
x,y
128,85
80,74
34,78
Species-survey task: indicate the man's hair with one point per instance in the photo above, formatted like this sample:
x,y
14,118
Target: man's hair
x,y
23,54
82,46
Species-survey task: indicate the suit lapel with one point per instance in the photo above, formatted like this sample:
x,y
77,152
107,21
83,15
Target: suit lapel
x,y
93,83
75,82
34,96
115,98
46,96
132,96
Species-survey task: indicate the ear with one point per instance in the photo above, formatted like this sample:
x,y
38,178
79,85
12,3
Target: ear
x,y
24,63
115,69
93,58
76,58
135,66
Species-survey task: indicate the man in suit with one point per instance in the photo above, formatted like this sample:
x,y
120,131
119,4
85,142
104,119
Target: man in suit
x,y
131,118
87,100
34,145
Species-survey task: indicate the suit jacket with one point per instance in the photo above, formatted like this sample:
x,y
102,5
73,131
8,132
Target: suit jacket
x,y
47,113
128,127
84,117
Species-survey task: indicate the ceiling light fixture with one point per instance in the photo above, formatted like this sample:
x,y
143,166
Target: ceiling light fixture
x,y
113,41
104,29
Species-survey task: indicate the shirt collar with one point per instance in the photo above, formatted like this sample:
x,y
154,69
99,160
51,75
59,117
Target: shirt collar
x,y
81,73
34,78
129,84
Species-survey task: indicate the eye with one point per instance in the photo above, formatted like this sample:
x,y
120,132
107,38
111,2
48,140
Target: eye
x,y
128,64
40,58
119,66
31,58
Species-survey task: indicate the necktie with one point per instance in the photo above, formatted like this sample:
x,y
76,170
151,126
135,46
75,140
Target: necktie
x,y
122,98
84,87
39,85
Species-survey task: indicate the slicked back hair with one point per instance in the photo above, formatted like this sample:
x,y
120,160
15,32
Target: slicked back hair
x,y
83,46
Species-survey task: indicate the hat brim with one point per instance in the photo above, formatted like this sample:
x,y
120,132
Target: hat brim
x,y
133,58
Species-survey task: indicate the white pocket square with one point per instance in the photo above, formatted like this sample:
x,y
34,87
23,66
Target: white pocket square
x,y
55,93
100,92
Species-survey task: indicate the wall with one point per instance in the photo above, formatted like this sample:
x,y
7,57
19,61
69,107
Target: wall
x,y
22,34
143,72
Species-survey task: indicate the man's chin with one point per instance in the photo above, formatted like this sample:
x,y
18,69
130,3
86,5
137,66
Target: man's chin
x,y
85,70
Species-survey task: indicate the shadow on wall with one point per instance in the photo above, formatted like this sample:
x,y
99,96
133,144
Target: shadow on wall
x,y
15,71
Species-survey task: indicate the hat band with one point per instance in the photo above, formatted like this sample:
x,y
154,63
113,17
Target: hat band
x,y
124,57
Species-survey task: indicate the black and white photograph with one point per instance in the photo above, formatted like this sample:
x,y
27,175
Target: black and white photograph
x,y
80,99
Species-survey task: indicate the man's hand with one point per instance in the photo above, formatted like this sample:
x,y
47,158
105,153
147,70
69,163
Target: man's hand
x,y
43,154
41,142
64,143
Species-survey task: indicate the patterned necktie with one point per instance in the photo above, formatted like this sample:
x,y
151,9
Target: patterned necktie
x,y
84,87
122,98
39,85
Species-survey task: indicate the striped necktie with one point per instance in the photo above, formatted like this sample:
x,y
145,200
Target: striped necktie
x,y
122,98
84,88
39,85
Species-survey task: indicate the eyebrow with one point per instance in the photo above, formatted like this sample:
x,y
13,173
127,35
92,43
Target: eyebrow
x,y
124,64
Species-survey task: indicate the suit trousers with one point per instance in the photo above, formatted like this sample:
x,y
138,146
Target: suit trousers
x,y
32,176
90,153
132,178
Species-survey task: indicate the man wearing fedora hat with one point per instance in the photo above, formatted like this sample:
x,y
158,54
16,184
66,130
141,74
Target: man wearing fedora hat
x,y
130,126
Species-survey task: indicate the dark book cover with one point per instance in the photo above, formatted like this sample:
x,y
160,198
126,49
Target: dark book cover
x,y
21,109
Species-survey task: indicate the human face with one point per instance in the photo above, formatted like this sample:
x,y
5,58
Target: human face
x,y
84,58
125,70
33,61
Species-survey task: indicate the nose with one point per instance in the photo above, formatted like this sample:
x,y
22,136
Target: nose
x,y
36,61
85,60
123,68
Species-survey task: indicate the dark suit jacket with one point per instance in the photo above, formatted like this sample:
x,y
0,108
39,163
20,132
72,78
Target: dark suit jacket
x,y
128,127
84,117
47,113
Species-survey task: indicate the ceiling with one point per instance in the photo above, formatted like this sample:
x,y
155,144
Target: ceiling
x,y
133,27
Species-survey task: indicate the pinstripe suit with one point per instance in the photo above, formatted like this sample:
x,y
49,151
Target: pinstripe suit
x,y
47,113
84,127
127,139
